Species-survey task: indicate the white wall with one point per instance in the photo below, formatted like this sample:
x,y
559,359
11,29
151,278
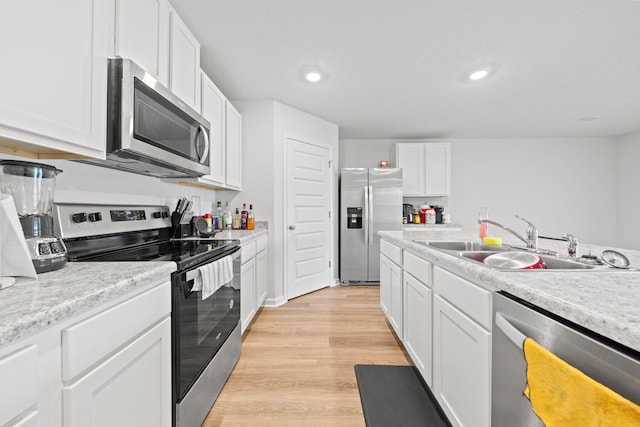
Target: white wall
x,y
563,185
88,178
265,127
628,183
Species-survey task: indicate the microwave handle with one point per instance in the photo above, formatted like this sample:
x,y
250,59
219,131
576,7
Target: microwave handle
x,y
206,145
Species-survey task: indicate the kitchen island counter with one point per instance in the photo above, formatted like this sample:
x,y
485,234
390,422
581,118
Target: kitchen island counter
x,y
31,305
605,302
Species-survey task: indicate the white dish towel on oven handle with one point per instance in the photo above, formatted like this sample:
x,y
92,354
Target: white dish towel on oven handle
x,y
213,276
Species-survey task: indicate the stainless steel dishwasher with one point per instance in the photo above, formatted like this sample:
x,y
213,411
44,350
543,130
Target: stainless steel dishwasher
x,y
609,363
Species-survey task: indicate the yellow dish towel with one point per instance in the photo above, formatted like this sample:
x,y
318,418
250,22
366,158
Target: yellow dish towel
x,y
561,395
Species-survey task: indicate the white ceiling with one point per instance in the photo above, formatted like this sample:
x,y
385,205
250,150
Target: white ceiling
x,y
396,67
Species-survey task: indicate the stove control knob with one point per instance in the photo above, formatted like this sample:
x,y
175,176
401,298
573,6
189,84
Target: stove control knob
x,y
156,214
79,217
95,217
165,214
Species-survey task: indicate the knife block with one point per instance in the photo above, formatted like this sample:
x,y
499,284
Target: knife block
x,y
180,231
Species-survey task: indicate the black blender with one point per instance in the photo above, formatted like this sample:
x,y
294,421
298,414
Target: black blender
x,y
32,186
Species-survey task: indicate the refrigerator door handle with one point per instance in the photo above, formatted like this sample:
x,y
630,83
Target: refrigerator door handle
x,y
365,220
370,239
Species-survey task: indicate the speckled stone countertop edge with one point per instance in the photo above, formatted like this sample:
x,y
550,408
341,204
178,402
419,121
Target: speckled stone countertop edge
x,y
244,236
32,305
603,302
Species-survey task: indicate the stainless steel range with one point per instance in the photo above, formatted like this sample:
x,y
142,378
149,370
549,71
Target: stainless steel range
x,y
205,331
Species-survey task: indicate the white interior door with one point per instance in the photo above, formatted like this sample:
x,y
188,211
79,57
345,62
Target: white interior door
x,y
308,218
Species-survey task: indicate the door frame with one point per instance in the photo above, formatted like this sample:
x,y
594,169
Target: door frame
x,y
285,206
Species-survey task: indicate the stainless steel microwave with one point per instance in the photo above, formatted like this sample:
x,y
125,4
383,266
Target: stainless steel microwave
x,y
150,131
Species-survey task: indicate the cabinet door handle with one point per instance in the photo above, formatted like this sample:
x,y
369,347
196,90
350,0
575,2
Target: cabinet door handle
x,y
292,227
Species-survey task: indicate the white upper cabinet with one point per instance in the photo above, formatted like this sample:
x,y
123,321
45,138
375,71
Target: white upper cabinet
x,y
142,35
184,74
213,103
53,79
234,148
225,136
426,168
410,157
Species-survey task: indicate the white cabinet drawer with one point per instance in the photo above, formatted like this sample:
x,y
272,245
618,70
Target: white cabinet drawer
x,y
131,388
247,251
261,244
391,251
89,341
18,387
417,267
471,299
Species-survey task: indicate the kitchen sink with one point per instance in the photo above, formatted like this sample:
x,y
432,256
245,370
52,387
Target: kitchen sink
x,y
466,246
553,263
478,252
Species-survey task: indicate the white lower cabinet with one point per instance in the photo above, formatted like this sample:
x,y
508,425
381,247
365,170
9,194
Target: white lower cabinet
x,y
254,278
131,388
391,293
417,311
108,367
461,350
417,324
444,323
31,381
262,271
248,284
247,292
385,285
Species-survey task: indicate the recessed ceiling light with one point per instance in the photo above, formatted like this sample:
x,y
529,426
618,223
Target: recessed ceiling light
x,y
479,74
313,76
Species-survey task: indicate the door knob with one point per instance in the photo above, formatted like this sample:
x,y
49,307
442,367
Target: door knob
x,y
292,227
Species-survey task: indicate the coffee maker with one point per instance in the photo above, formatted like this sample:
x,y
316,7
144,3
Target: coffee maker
x,y
32,186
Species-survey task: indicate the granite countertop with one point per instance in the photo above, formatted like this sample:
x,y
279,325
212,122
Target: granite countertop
x,y
605,302
245,236
31,305
432,226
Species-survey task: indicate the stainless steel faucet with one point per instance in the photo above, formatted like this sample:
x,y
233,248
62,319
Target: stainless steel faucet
x,y
531,239
572,243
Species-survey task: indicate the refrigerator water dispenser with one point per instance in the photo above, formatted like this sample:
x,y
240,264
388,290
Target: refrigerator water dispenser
x,y
354,217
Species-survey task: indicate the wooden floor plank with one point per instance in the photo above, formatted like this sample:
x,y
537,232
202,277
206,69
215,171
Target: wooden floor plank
x,y
296,367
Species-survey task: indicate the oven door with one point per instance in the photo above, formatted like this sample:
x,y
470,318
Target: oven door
x,y
201,327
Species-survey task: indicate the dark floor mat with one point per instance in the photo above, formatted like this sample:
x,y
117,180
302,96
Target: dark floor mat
x,y
394,396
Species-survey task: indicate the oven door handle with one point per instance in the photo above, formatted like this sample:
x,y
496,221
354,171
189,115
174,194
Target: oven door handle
x,y
192,275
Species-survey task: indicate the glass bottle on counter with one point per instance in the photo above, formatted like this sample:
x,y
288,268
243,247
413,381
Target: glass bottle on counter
x,y
483,213
236,220
227,217
217,218
244,216
251,221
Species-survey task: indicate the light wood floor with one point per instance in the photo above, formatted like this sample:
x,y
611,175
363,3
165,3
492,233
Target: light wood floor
x,y
296,367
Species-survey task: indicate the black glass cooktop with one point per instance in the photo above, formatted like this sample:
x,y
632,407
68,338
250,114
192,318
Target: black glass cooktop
x,y
186,253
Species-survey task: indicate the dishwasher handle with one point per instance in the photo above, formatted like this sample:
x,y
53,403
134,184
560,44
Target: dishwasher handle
x,y
513,333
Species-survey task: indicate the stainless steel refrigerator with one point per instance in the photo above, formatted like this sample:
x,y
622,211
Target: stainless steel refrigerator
x,y
370,201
